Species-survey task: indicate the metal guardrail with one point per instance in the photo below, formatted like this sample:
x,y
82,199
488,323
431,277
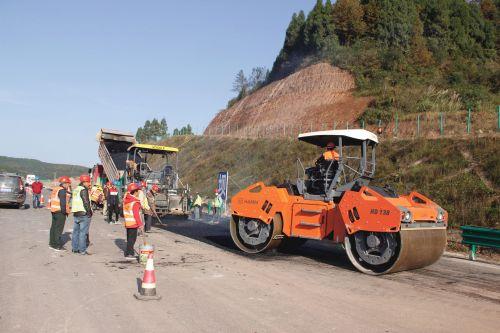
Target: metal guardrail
x,y
479,236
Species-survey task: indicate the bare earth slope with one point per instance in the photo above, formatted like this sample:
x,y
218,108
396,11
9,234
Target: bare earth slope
x,y
320,92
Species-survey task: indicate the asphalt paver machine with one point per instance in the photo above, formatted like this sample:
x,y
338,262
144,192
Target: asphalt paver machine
x,y
155,164
381,231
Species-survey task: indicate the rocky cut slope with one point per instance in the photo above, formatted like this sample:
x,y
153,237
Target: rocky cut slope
x,y
319,95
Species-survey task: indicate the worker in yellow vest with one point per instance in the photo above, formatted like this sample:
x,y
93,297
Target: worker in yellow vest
x,y
197,207
82,214
218,203
133,220
59,207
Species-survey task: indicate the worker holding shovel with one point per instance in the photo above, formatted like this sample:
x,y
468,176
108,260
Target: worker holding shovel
x,y
133,221
149,214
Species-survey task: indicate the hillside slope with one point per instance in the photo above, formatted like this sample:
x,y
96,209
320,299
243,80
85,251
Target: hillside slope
x,y
320,92
25,166
463,176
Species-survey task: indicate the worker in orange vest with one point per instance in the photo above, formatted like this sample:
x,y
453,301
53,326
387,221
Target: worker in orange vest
x,y
330,154
59,207
132,214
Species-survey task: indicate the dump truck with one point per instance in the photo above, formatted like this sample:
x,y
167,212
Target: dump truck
x,y
381,230
113,150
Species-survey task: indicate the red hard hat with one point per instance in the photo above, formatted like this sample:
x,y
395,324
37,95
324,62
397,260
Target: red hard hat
x,y
143,184
216,190
85,178
155,188
133,187
64,179
108,183
330,145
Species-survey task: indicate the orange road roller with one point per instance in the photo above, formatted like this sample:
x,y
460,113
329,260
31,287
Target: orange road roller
x,y
381,231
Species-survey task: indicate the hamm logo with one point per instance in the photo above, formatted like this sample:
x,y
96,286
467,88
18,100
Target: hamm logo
x,y
248,201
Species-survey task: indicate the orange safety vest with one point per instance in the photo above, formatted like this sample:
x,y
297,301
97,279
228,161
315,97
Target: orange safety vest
x,y
330,155
128,212
55,203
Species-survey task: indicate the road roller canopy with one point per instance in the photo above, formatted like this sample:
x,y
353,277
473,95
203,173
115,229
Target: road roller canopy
x,y
348,137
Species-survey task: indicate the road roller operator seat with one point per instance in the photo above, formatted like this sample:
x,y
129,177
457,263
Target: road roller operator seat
x,y
320,176
329,179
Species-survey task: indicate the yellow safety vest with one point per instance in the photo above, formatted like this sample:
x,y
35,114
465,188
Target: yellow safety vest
x,y
144,200
77,201
217,201
198,201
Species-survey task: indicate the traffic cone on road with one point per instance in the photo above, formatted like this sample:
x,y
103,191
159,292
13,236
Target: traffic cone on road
x,y
148,286
42,200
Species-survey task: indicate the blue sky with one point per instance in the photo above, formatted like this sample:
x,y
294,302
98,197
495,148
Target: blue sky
x,y
69,68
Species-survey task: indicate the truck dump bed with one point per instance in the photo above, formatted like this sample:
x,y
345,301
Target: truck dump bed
x,y
112,151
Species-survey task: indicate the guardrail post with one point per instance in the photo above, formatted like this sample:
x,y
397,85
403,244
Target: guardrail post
x,y
418,125
347,124
335,125
468,120
362,123
396,125
472,253
441,125
498,117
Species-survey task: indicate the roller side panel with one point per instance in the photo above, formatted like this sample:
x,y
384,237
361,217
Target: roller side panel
x,y
368,211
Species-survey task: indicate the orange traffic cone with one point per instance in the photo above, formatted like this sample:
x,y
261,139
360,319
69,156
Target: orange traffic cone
x,y
42,200
48,205
148,286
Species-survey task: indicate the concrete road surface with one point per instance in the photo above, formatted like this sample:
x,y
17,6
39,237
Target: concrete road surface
x,y
209,286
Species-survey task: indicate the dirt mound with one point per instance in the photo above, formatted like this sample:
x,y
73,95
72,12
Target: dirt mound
x,y
317,95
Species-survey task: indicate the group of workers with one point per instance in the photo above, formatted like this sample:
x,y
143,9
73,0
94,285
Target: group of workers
x,y
214,207
138,206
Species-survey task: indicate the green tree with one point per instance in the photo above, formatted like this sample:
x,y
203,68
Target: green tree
x,y
155,130
139,135
319,30
395,20
163,127
347,17
257,78
293,48
294,38
240,84
147,130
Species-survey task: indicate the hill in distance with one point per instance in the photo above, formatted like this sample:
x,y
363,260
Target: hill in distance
x,y
26,166
319,93
405,56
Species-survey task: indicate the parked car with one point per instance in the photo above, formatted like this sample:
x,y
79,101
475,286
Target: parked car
x,y
12,191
